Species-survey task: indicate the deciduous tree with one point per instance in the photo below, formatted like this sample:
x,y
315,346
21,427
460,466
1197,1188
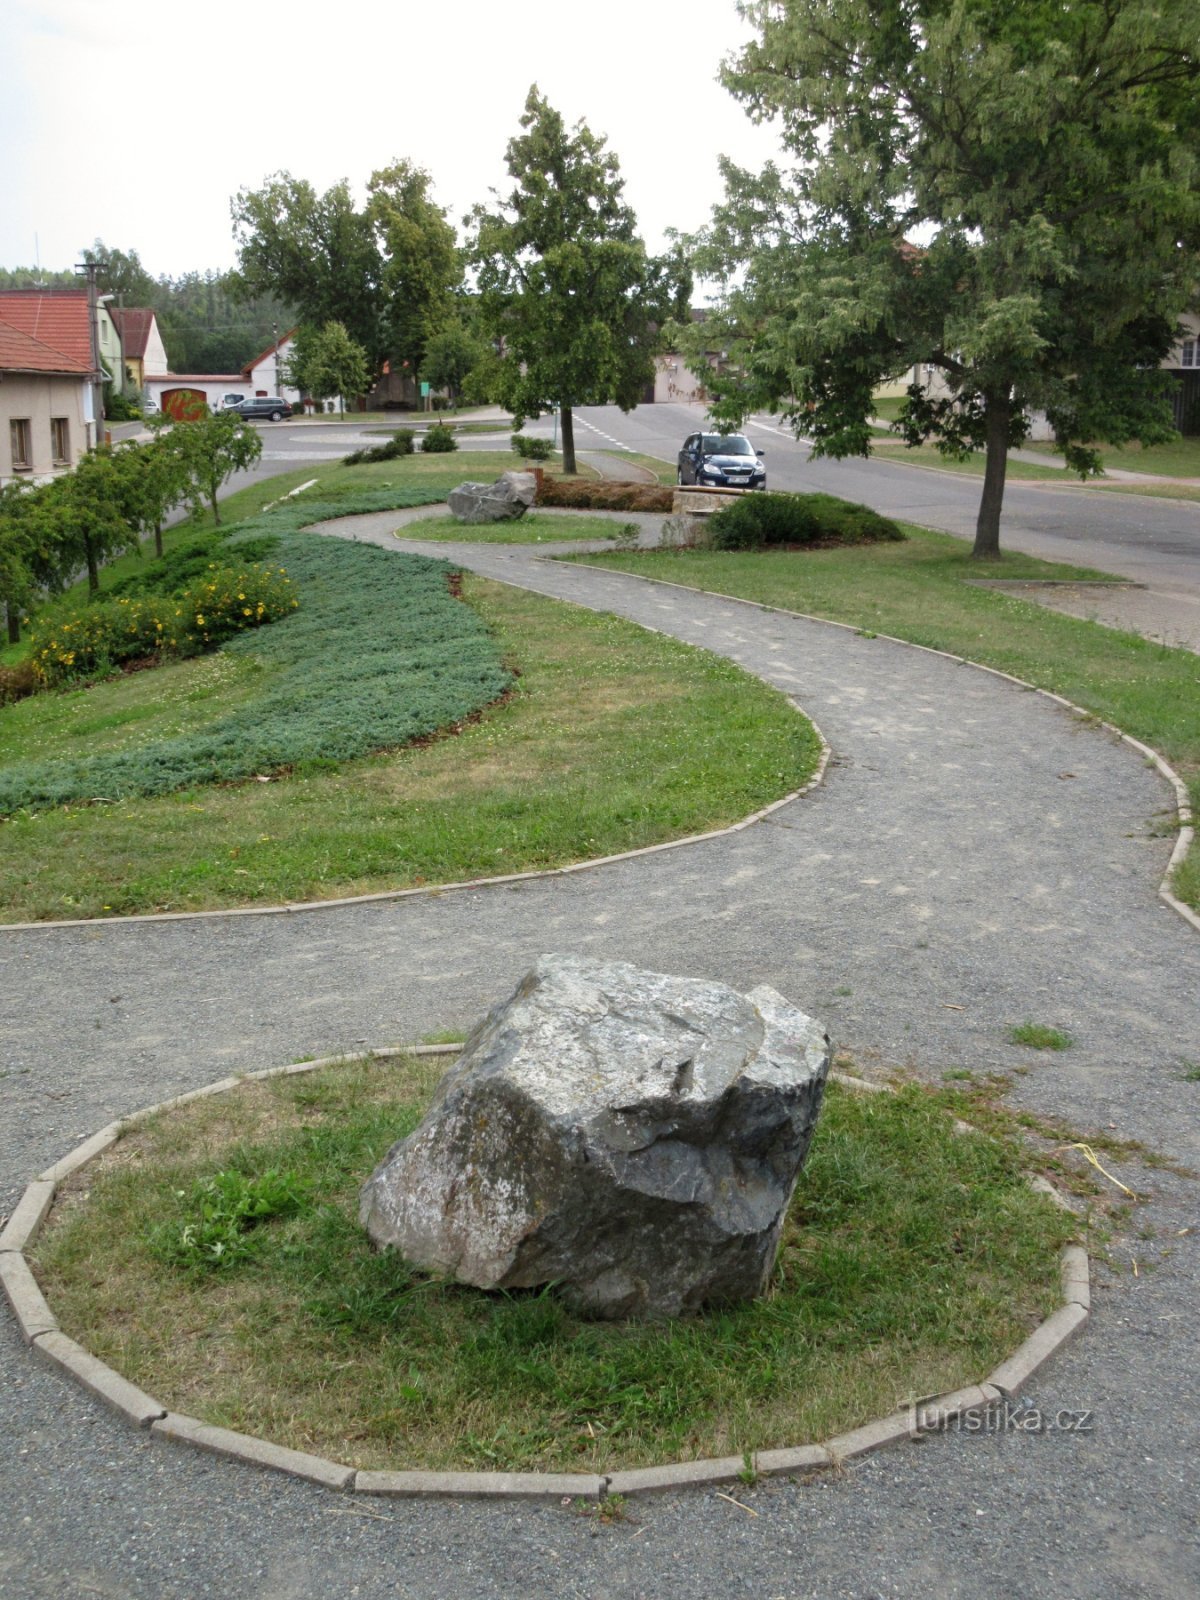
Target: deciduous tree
x,y
212,450
327,361
1045,158
318,251
565,283
422,265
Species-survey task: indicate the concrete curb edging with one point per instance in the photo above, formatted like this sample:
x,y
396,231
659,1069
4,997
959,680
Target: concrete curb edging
x,y
40,1330
1186,821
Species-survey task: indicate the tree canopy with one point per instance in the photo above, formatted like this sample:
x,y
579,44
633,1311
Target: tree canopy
x,y
386,271
564,281
1006,195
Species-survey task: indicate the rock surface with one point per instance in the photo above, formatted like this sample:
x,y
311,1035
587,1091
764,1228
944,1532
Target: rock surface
x,y
508,498
630,1136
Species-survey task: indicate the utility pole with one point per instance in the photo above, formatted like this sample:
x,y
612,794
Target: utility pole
x,y
89,269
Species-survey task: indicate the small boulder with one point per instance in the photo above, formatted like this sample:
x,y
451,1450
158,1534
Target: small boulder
x,y
633,1137
508,498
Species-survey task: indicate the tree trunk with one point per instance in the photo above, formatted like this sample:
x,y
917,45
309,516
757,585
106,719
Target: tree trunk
x,y
987,524
14,623
213,502
158,548
567,423
93,565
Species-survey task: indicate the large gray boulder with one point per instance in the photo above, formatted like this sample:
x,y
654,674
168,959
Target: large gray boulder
x,y
508,498
631,1136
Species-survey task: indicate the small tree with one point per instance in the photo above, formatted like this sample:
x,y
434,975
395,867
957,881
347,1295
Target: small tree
x,y
153,480
328,361
565,283
212,450
79,520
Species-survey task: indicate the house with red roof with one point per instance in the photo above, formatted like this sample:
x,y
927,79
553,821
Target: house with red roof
x,y
142,348
48,383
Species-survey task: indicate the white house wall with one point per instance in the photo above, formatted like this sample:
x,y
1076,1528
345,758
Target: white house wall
x,y
36,398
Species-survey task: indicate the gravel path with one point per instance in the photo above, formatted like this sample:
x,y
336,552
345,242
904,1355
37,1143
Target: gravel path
x,y
974,847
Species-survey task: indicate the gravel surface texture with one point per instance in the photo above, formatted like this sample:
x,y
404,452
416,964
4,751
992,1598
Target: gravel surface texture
x,y
973,846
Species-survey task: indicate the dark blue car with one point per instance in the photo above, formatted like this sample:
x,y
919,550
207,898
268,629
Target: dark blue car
x,y
721,460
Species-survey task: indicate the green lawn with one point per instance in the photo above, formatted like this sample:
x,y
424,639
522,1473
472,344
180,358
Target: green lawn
x,y
920,591
1178,460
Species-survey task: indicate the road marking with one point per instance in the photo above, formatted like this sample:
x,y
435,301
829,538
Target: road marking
x,y
584,423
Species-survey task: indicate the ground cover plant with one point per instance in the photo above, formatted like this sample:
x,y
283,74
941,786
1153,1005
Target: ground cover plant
x,y
214,1257
921,590
613,738
379,653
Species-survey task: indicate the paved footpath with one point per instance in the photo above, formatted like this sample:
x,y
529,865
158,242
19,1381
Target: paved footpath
x,y
973,846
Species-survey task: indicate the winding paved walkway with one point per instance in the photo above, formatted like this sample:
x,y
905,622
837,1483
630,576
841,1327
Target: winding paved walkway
x,y
974,847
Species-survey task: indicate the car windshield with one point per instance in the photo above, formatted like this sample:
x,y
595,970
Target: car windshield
x,y
726,444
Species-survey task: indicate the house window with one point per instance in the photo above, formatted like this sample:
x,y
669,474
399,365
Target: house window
x,y
60,441
21,440
1189,353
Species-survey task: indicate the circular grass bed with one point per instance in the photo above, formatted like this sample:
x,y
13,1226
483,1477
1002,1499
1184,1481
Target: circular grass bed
x,y
214,1257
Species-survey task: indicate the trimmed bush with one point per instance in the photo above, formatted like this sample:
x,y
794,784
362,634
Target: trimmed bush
x,y
585,494
531,449
438,440
400,444
754,521
226,601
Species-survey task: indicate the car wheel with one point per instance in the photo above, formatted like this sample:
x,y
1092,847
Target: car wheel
x,y
277,416
679,478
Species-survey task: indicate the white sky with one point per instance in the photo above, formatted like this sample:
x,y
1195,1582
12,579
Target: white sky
x,y
136,123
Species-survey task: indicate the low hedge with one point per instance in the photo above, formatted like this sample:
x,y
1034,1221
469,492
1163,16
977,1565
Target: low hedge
x,y
754,521
400,444
604,494
225,601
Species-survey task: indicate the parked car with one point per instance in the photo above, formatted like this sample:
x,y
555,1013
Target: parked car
x,y
150,407
722,460
261,405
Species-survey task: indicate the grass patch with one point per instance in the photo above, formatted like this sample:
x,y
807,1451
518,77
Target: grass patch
x,y
887,447
535,527
1179,459
913,1259
921,590
613,738
1037,1036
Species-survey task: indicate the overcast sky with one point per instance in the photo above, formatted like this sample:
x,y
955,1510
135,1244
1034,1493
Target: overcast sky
x,y
136,123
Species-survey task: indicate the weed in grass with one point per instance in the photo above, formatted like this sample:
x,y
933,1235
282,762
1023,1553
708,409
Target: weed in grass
x,y
912,1259
1191,1072
1037,1036
444,1036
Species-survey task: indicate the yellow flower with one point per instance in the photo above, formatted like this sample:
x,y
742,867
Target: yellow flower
x,y
199,621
